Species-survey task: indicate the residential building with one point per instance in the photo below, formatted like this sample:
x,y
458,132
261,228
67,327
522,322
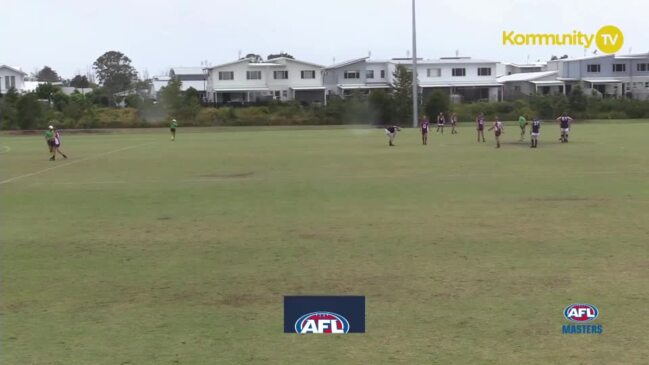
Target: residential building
x,y
506,68
283,79
606,75
357,75
194,77
157,83
462,78
11,77
520,85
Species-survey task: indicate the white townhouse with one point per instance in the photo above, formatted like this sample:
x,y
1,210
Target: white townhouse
x,y
521,85
282,78
508,68
462,78
11,77
360,74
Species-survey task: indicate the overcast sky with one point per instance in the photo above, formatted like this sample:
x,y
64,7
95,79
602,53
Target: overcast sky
x,y
69,35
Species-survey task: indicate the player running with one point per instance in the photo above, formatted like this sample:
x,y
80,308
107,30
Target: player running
x,y
425,126
564,124
453,123
49,139
499,129
535,132
522,122
391,132
57,143
172,128
480,126
440,122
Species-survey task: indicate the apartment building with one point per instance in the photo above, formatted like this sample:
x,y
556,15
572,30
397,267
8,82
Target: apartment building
x,y
283,79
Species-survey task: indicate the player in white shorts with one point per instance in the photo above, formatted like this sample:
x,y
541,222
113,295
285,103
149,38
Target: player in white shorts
x,y
391,132
535,132
564,124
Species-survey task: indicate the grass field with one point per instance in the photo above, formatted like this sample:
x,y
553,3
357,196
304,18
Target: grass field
x,y
137,250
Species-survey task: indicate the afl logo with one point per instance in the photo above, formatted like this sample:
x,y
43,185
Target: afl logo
x,y
581,312
321,322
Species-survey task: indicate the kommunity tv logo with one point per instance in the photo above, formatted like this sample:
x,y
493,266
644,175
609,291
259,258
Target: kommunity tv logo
x,y
608,39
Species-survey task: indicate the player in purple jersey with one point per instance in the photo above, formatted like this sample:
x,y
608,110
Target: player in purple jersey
x,y
425,126
440,122
498,129
564,123
480,121
453,123
535,132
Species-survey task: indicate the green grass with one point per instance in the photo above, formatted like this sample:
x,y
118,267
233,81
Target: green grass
x,y
180,253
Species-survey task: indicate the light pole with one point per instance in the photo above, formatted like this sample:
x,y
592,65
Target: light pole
x,y
415,89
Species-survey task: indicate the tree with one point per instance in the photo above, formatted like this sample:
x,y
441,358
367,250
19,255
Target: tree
x,y
46,91
114,71
171,96
8,111
437,102
381,106
29,111
80,82
278,55
46,74
402,93
577,100
255,57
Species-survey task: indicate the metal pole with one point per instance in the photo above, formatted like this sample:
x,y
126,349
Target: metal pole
x,y
415,88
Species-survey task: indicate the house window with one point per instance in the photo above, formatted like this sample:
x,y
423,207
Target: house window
x,y
226,75
517,88
352,75
459,72
642,67
369,74
484,71
10,82
307,74
253,75
433,72
382,74
646,84
593,68
284,93
619,67
280,75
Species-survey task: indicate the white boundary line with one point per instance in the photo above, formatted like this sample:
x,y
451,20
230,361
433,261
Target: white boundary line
x,y
6,149
72,163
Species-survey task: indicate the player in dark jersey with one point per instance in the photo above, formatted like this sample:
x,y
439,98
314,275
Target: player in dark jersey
x,y
535,132
391,132
480,121
440,122
453,123
499,129
564,124
425,126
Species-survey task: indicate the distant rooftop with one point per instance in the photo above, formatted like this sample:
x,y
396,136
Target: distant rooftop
x,y
526,76
187,70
